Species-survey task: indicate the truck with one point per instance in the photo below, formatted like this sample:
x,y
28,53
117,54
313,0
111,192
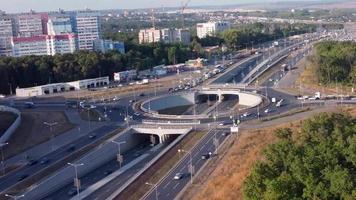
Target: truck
x,y
280,103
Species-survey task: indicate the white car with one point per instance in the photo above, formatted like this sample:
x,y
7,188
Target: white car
x,y
246,114
2,96
178,176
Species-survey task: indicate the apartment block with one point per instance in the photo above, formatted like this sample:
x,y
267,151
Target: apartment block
x,y
87,27
166,35
211,28
6,32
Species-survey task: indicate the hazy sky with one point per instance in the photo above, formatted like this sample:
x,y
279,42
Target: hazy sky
x,y
51,5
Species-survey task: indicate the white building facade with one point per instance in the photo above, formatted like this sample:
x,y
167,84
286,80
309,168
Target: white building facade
x,y
87,28
6,34
211,28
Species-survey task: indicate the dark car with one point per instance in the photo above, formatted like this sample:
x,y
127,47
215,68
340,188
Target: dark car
x,y
44,161
142,95
71,148
32,162
92,136
72,192
22,177
107,172
205,157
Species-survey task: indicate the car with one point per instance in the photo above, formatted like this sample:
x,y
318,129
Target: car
x,y
225,133
2,96
224,123
92,136
132,101
205,157
142,95
71,148
29,104
22,177
246,114
178,176
72,192
107,172
44,161
32,162
137,113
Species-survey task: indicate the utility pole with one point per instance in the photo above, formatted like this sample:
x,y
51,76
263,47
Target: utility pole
x,y
49,124
3,157
155,186
14,197
191,167
120,158
76,180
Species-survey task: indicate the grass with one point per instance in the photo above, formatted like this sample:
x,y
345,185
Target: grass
x,y
160,168
32,131
178,110
7,118
225,181
309,79
93,115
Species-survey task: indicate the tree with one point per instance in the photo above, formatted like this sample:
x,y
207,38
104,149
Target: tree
x,y
318,163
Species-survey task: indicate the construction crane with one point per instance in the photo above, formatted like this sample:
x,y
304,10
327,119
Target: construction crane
x,y
153,19
184,6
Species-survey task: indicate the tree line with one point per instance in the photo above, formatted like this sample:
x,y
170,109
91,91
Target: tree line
x,y
335,62
30,71
319,162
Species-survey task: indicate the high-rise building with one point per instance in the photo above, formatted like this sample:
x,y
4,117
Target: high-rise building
x,y
87,27
30,24
43,45
211,28
166,35
182,35
6,32
149,36
59,25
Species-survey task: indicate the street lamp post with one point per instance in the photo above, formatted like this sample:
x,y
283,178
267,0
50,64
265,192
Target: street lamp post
x,y
76,181
88,109
15,197
156,189
50,125
120,158
3,157
191,167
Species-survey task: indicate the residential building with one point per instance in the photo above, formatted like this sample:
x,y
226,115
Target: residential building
x,y
149,36
30,24
6,33
182,35
61,44
166,35
87,27
24,46
211,28
59,25
107,45
43,45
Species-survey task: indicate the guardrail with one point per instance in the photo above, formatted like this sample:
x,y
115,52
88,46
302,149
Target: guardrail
x,y
168,122
4,137
147,166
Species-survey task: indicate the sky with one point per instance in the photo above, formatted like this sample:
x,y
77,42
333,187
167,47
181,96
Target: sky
x,y
12,6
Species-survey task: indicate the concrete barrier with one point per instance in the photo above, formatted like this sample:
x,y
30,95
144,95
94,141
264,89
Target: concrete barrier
x,y
100,155
148,165
6,136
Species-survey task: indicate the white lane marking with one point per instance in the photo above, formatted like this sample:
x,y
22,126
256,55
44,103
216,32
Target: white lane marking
x,y
166,185
174,187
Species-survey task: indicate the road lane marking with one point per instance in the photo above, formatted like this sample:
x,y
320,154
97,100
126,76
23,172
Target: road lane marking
x,y
174,187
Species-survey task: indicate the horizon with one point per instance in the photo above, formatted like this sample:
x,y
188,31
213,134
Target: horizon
x,y
49,5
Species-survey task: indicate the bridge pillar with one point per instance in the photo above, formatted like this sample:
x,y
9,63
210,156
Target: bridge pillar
x,y
220,97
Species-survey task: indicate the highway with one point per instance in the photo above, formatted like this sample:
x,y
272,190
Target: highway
x,y
168,188
28,170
